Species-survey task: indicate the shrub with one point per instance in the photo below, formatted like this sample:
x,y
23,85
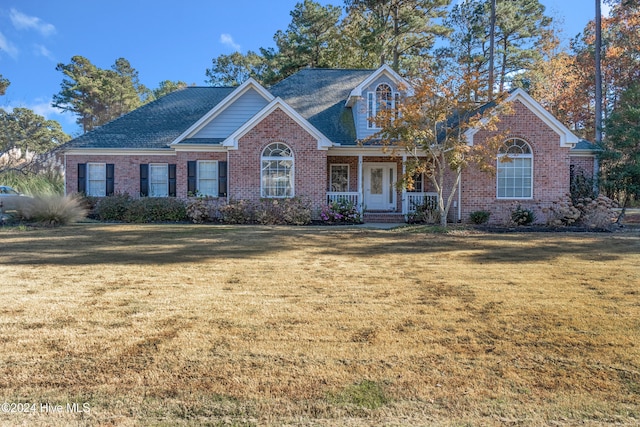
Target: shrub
x,y
238,212
522,216
562,213
205,209
156,209
596,213
112,208
424,213
341,212
53,210
44,183
479,217
294,211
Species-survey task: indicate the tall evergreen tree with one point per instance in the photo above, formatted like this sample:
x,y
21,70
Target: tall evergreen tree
x,y
398,32
98,96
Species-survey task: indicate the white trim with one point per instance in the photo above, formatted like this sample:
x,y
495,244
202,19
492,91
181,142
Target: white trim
x,y
384,70
208,148
232,141
222,105
118,152
567,138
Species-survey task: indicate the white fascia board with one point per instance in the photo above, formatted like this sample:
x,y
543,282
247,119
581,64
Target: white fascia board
x,y
232,141
120,152
377,151
567,138
230,99
200,148
385,69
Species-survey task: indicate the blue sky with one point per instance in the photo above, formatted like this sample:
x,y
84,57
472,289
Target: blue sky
x,y
162,40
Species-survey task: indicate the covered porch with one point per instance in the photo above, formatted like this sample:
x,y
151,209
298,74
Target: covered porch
x,y
369,182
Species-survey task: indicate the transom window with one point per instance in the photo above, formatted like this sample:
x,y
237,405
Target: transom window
x,y
515,170
382,99
277,171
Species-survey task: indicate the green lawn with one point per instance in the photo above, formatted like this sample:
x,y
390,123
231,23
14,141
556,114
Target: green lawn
x,y
221,325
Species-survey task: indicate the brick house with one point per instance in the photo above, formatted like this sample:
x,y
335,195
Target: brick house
x,y
301,137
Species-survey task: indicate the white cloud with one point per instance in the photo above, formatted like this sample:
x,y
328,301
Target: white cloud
x,y
227,40
26,22
43,51
8,47
605,10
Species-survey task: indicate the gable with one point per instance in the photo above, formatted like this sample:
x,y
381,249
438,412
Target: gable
x,y
567,138
323,142
234,116
246,96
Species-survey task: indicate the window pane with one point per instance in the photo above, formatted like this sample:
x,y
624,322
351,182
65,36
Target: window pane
x,y
514,177
277,171
158,180
208,178
340,178
96,179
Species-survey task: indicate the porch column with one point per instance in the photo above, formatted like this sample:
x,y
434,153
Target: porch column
x,y
405,202
360,184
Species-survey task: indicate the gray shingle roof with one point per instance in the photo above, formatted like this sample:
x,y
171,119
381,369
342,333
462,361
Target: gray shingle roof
x,y
319,95
154,125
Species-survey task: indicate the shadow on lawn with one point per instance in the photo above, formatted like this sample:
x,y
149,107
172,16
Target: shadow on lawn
x,y
87,244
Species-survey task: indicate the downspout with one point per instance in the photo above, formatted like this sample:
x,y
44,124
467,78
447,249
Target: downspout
x,y
228,180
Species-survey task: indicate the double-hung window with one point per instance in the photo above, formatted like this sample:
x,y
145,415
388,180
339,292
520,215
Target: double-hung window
x,y
207,178
96,179
515,170
158,180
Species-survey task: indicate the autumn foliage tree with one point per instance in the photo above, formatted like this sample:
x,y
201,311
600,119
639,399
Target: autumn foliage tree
x,y
429,127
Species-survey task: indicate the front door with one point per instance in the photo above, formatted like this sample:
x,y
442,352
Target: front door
x,y
379,186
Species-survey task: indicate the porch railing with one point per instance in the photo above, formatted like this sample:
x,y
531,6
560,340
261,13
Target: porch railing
x,y
427,200
339,196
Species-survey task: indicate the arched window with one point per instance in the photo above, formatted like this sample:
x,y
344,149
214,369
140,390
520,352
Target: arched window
x,y
515,170
277,171
382,99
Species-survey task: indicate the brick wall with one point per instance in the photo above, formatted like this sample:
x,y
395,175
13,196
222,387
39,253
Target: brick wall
x,y
550,169
127,169
583,165
310,173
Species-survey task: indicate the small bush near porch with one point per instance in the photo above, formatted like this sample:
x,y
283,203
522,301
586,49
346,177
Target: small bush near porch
x,y
222,325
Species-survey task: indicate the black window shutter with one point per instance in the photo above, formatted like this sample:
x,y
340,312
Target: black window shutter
x,y
144,180
110,180
191,178
172,180
222,179
82,177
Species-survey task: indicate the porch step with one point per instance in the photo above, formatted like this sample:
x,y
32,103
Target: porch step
x,y
384,217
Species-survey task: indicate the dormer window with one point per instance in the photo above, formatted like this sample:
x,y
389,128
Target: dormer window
x,y
384,98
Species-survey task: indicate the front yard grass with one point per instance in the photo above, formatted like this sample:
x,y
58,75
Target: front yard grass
x,y
221,325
